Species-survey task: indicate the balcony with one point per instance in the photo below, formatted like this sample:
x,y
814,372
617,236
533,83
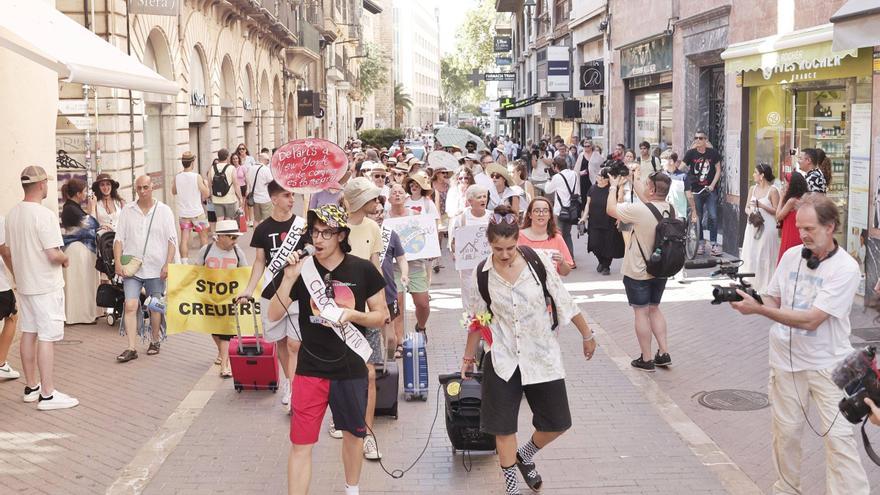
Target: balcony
x,y
335,73
508,5
306,51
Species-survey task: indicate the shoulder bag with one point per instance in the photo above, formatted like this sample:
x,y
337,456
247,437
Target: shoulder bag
x,y
131,264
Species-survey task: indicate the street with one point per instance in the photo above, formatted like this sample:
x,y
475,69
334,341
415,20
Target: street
x,y
168,424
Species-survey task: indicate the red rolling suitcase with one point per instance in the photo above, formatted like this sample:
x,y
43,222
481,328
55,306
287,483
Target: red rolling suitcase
x,y
253,360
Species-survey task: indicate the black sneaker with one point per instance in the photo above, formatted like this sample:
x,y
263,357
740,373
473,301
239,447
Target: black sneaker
x,y
529,473
662,359
606,271
126,356
642,364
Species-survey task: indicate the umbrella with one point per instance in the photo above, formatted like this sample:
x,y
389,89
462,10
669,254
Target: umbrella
x,y
453,136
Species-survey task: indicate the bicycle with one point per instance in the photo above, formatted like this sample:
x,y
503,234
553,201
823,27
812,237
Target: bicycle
x,y
692,234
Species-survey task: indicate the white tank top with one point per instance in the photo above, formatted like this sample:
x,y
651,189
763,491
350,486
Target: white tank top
x,y
189,199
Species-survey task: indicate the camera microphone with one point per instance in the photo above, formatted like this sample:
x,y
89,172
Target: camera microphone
x,y
701,264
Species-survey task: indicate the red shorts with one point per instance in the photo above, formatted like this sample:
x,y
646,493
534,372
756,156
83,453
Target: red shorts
x,y
311,396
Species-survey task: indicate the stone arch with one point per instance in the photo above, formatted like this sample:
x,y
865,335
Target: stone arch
x,y
265,107
157,54
199,76
228,114
277,111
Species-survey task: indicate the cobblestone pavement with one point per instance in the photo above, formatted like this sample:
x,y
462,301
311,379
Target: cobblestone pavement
x,y
168,424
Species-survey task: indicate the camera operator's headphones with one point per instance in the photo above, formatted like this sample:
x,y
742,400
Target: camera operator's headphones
x,y
813,261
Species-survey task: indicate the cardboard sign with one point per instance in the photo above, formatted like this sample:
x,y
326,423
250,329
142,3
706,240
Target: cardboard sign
x,y
471,246
200,300
308,165
418,234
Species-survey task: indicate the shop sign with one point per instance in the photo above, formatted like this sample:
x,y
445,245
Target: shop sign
x,y
650,57
502,44
306,103
592,109
504,60
247,105
791,68
154,7
558,69
198,99
499,76
505,102
593,75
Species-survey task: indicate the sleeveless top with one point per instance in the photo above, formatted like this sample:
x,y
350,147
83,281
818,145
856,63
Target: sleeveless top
x,y
107,218
188,199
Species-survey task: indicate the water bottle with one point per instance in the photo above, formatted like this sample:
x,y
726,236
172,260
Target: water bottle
x,y
853,367
155,304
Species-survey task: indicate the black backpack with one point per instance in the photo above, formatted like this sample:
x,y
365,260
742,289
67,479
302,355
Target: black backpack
x,y
667,257
570,213
535,266
220,183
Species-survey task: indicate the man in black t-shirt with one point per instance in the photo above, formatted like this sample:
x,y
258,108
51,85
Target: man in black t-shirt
x,y
329,370
704,172
268,238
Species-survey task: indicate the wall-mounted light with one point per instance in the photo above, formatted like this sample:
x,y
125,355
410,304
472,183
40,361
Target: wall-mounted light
x,y
670,25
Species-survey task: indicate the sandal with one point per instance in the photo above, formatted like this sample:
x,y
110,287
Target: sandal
x,y
217,361
153,349
226,374
398,353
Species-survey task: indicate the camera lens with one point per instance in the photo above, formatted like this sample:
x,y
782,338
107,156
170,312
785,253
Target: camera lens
x,y
724,294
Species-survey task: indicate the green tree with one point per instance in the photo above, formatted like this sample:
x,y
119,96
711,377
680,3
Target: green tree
x,y
474,50
402,103
373,72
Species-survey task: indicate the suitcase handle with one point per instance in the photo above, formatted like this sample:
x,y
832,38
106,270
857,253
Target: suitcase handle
x,y
457,376
252,301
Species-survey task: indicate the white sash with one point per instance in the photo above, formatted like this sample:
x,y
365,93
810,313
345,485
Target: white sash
x,y
348,333
279,260
386,240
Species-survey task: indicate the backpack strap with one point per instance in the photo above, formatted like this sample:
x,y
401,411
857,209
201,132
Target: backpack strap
x,y
537,267
208,250
483,285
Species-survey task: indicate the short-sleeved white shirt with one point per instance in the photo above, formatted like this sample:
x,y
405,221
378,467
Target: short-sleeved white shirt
x,y
831,288
132,232
31,229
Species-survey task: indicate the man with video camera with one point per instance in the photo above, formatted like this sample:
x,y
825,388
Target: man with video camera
x,y
809,298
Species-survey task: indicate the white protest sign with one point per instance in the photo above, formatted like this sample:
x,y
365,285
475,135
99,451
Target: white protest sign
x,y
471,246
418,234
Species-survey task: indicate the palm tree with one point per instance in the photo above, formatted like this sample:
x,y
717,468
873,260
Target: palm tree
x,y
402,103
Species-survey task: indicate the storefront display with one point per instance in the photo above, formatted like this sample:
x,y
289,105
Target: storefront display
x,y
647,69
652,118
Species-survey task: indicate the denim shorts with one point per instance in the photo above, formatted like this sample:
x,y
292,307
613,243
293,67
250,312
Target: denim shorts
x,y
641,293
133,285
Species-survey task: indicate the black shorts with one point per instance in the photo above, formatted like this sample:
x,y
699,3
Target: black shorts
x,y
7,304
641,293
212,216
501,399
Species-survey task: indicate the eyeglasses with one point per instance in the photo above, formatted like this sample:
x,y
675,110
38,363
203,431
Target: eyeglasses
x,y
540,211
508,218
398,174
699,137
463,178
324,234
144,188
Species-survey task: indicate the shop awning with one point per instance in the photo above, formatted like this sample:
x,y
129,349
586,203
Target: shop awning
x,y
855,25
803,47
46,36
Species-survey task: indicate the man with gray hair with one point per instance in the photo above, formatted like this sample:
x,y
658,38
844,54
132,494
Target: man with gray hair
x,y
809,300
258,180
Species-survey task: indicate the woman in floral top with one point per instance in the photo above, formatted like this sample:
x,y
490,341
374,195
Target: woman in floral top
x,y
524,355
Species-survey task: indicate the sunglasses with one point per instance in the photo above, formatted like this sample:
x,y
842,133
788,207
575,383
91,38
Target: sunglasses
x,y
508,218
398,174
497,176
463,179
378,176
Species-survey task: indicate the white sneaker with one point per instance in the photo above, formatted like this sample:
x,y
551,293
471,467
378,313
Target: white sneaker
x,y
371,450
285,391
7,373
58,400
31,394
334,433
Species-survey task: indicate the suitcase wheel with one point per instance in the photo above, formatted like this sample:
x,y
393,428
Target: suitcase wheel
x,y
394,411
111,320
238,387
423,397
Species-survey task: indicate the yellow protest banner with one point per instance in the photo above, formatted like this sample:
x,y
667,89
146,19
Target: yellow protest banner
x,y
200,299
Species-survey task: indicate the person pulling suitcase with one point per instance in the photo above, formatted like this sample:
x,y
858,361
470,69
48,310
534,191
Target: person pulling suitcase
x,y
523,356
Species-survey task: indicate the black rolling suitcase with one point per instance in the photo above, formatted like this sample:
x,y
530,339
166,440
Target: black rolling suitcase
x,y
463,400
387,386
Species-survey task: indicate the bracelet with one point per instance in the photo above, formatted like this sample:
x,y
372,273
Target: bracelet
x,y
469,359
591,337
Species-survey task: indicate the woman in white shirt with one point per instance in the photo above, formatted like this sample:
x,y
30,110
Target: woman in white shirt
x,y
504,193
475,214
106,204
524,355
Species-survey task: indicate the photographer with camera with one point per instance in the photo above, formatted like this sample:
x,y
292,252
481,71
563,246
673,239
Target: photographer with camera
x,y
643,290
809,298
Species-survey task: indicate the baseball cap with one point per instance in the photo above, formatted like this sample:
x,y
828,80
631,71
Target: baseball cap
x,y
33,174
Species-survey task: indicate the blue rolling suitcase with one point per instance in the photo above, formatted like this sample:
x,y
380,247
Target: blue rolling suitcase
x,y
415,367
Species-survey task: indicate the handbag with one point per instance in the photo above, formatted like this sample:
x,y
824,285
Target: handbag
x,y
755,217
130,263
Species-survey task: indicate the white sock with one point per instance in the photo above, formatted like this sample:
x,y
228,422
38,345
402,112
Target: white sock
x,y
352,490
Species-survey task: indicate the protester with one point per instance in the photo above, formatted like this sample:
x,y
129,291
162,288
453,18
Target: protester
x,y
378,175
330,373
786,213
34,239
222,254
643,291
704,172
258,179
241,173
400,173
106,204
539,232
281,230
79,232
225,193
419,186
810,162
8,311
456,200
441,188
647,161
519,177
394,255
475,214
501,191
190,189
761,241
809,302
564,186
146,235
603,238
524,356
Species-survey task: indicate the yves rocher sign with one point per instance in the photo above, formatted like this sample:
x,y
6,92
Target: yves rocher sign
x,y
308,165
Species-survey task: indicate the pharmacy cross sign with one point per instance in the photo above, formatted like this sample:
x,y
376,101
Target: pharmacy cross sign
x,y
475,77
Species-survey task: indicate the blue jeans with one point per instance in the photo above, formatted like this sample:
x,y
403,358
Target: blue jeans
x,y
132,287
707,203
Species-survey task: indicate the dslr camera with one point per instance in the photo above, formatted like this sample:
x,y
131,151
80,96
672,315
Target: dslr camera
x,y
616,168
858,377
730,269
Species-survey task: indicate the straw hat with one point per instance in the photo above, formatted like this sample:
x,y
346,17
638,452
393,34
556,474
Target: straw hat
x,y
419,178
494,168
227,227
360,191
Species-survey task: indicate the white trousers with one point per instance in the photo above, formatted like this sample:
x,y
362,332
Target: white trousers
x,y
844,474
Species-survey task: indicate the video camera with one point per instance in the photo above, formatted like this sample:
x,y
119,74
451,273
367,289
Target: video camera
x,y
857,375
616,168
730,269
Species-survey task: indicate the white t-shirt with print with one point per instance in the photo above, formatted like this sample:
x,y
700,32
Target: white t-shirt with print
x,y
220,258
831,288
4,278
422,206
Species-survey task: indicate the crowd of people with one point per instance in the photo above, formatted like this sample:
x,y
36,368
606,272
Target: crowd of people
x,y
532,201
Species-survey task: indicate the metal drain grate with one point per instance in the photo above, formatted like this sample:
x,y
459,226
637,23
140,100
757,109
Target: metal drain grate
x,y
734,400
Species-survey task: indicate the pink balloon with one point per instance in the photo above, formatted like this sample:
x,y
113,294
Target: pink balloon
x,y
308,165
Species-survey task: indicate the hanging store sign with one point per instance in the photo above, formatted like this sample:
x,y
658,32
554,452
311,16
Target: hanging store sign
x,y
307,103
506,102
504,60
826,66
502,44
592,109
558,69
650,57
499,76
154,7
592,75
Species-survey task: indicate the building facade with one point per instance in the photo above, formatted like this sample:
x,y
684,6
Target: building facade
x,y
417,59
